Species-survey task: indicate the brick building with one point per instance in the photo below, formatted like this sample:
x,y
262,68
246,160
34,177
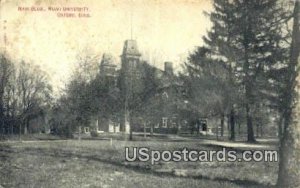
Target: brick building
x,y
168,99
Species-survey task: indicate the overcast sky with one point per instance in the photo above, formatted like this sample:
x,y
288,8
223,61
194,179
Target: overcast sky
x,y
165,31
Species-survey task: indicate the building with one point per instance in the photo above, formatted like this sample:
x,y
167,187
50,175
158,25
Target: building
x,y
168,99
130,79
108,77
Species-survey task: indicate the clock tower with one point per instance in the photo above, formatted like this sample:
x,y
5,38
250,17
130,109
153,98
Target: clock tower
x,y
130,74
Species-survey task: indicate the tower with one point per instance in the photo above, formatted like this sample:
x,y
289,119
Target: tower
x,y
169,68
130,60
108,70
131,55
108,76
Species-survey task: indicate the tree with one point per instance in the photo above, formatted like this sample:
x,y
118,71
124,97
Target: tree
x,y
6,68
245,35
11,101
34,92
210,86
289,164
82,97
25,94
140,87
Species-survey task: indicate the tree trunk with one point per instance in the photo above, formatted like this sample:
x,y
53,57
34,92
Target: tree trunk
x,y
20,130
222,125
250,132
130,133
152,128
12,129
248,81
130,120
1,114
289,156
217,132
145,130
198,127
228,123
3,128
232,125
279,131
257,130
26,124
79,133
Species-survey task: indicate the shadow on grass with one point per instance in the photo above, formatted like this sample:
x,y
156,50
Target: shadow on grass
x,y
4,150
138,168
5,162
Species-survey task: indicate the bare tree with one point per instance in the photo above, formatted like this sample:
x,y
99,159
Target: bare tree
x,y
6,68
34,92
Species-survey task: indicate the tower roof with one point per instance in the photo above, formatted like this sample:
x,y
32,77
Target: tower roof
x,y
130,48
107,59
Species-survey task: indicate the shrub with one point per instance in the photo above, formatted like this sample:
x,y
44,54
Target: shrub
x,y
94,134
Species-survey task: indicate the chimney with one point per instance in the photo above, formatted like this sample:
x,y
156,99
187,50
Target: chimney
x,y
169,68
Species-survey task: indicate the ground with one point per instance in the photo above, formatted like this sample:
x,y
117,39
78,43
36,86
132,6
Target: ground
x,y
101,163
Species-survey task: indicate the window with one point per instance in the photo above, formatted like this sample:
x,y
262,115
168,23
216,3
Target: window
x,y
173,122
86,129
164,122
133,64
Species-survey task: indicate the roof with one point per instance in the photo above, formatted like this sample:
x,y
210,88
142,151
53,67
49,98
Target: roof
x,y
130,48
107,59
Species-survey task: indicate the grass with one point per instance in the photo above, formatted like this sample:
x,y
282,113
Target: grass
x,y
29,137
97,163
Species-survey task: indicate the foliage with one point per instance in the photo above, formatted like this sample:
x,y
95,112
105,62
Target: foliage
x,y
25,94
247,42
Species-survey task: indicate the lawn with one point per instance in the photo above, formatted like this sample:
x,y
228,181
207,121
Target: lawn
x,y
100,163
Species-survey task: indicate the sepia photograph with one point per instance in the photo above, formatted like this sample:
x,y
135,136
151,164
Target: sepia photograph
x,y
149,93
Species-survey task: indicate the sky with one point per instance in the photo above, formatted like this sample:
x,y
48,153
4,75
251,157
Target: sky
x,y
165,30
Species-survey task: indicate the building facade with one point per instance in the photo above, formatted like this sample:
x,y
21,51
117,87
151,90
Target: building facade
x,y
167,103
